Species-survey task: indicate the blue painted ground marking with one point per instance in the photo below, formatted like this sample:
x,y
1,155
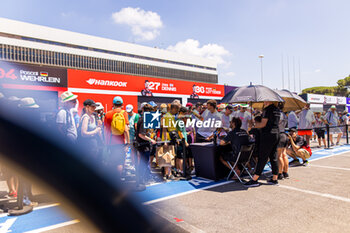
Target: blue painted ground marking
x,y
36,219
165,190
55,215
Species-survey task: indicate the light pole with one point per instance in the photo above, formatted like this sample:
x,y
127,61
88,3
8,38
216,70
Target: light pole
x,y
261,63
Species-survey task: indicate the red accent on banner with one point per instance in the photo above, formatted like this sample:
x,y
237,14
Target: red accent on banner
x,y
122,82
38,88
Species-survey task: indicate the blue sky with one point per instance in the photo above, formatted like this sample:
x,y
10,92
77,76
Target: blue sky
x,y
236,32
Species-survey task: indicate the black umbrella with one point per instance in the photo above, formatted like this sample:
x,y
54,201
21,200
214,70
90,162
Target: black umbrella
x,y
251,94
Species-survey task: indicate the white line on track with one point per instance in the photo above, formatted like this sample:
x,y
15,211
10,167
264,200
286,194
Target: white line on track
x,y
328,156
326,195
53,226
338,168
185,193
227,182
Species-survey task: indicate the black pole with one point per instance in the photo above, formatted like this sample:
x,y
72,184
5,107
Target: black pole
x,y
347,133
184,157
327,128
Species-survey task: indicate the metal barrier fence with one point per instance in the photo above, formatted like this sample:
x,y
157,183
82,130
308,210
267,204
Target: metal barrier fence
x,y
327,129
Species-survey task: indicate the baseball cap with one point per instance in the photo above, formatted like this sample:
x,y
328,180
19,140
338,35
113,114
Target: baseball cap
x,y
129,108
68,96
90,102
189,105
244,105
222,106
153,104
142,105
99,106
163,108
333,106
229,107
117,100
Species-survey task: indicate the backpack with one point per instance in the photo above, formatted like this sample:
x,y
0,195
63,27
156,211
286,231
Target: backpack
x,y
69,120
118,123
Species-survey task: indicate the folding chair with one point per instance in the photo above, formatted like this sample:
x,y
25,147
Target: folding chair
x,y
243,158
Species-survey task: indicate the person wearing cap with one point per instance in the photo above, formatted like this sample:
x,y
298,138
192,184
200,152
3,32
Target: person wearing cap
x,y
163,109
189,106
99,112
119,144
306,121
235,110
65,120
245,117
28,107
90,131
221,108
133,119
154,106
332,120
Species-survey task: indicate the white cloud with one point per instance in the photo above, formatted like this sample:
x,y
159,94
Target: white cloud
x,y
192,47
317,71
230,74
145,25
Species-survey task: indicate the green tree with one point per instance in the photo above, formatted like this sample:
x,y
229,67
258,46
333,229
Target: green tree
x,y
340,90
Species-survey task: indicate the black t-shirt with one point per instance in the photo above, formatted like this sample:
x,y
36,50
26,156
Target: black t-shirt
x,y
143,144
237,138
272,113
300,141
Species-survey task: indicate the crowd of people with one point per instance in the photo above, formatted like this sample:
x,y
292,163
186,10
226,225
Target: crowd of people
x,y
111,136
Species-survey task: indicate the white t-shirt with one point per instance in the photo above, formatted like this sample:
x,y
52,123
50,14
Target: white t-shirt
x,y
226,120
332,118
234,113
245,117
69,123
208,131
306,118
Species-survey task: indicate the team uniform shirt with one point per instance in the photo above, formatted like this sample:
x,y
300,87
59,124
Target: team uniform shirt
x,y
237,138
306,118
292,120
194,96
146,92
208,131
332,118
111,139
69,123
245,117
272,113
